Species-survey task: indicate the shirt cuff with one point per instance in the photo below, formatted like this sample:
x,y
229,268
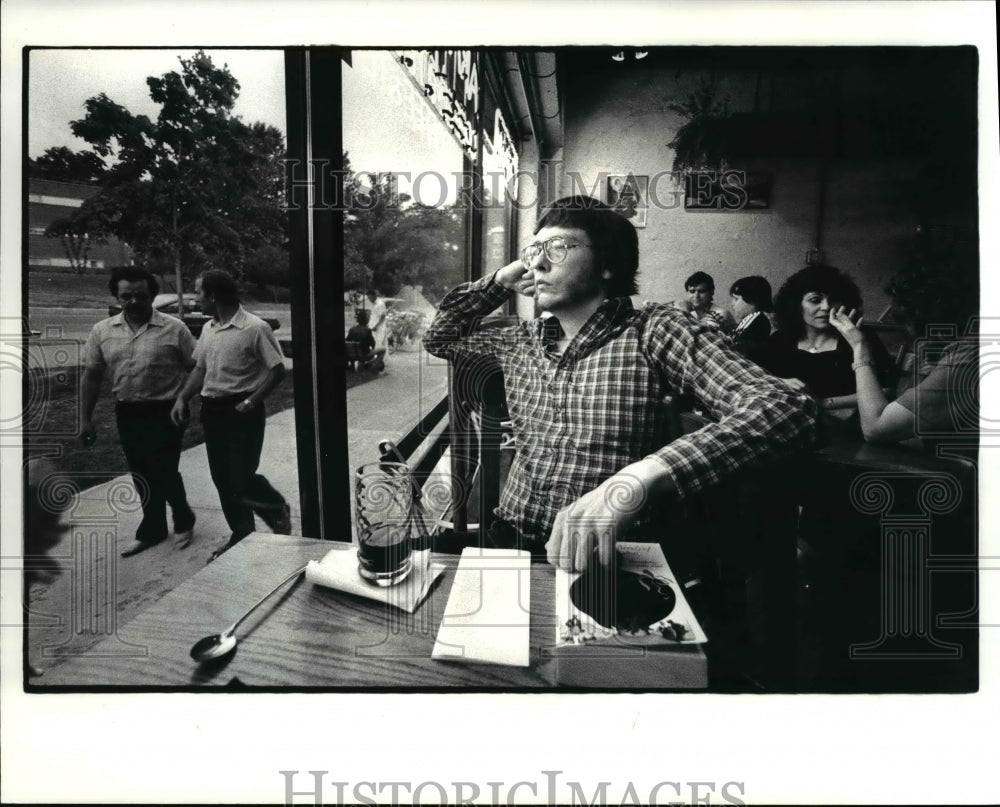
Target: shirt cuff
x,y
690,468
681,490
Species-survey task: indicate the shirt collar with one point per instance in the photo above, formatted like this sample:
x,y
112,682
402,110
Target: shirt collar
x,y
156,320
239,320
608,314
747,320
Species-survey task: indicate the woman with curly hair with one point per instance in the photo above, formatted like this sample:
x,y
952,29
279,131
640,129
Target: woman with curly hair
x,y
807,351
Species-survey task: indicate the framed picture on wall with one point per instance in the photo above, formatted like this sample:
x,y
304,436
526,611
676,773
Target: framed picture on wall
x,y
628,194
727,190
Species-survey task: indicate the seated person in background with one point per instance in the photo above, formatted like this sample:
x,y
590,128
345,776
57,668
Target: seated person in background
x,y
751,298
700,290
585,389
807,351
365,338
945,396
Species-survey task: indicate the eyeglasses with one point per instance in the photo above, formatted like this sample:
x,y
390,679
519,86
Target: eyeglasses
x,y
555,250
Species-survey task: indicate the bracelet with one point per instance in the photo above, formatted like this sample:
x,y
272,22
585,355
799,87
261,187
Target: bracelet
x,y
859,364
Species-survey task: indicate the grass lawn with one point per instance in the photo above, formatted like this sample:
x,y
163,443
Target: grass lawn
x,y
48,289
104,460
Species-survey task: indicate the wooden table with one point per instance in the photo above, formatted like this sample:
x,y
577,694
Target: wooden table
x,y
853,452
304,637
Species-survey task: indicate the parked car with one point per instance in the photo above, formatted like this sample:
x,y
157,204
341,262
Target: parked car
x,y
191,316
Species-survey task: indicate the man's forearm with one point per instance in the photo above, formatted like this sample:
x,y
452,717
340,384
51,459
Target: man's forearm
x,y
192,386
458,311
274,377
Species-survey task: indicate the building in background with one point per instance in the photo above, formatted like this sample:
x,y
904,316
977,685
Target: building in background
x,y
48,202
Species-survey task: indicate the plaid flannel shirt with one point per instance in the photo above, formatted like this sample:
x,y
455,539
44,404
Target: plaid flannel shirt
x,y
580,417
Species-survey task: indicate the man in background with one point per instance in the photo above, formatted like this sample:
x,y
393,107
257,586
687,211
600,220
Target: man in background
x,y
700,288
378,323
149,355
360,334
238,362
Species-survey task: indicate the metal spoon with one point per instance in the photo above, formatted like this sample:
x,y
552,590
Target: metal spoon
x,y
222,644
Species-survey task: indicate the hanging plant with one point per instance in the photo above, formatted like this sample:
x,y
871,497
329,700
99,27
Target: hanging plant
x,y
704,141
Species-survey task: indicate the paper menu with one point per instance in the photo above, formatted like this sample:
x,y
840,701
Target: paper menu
x,y
487,618
632,556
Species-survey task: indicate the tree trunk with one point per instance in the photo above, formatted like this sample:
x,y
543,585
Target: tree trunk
x,y
178,279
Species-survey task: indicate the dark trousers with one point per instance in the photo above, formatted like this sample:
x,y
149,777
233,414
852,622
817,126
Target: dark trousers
x,y
234,441
152,447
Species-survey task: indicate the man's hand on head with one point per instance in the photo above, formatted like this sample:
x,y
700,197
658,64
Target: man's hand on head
x,y
514,277
599,518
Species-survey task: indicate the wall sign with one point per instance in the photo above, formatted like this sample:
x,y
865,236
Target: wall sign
x,y
449,82
727,190
628,194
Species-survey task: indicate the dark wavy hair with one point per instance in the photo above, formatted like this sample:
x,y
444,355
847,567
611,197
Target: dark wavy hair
x,y
612,237
132,274
221,285
754,290
699,278
820,278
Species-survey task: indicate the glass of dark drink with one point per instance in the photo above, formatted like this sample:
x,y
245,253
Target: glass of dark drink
x,y
383,503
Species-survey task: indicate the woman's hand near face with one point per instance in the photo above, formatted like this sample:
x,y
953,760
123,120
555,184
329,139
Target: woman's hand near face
x,y
848,323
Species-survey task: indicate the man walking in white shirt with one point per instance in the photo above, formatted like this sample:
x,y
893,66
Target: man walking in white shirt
x,y
238,362
149,355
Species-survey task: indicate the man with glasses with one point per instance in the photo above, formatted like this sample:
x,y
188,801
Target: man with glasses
x,y
585,385
149,355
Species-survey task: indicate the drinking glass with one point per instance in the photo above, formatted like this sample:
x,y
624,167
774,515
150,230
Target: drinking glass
x,y
383,507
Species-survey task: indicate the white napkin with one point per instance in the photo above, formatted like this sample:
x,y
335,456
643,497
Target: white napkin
x,y
488,613
339,570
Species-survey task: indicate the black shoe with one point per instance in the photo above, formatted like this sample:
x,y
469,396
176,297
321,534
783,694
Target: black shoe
x,y
282,525
277,517
182,537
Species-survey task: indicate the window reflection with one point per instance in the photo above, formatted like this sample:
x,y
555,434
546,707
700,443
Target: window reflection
x,y
405,235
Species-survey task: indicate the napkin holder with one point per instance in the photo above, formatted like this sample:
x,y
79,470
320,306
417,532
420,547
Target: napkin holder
x,y
658,656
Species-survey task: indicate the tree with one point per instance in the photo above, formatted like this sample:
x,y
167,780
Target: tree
x,y
195,189
391,241
65,165
267,266
75,242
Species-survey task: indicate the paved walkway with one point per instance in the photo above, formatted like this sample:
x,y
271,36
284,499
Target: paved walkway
x,y
99,590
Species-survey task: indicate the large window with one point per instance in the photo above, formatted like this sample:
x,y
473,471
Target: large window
x,y
407,230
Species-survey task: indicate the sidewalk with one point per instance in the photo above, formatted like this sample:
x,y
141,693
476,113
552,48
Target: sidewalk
x,y
99,590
